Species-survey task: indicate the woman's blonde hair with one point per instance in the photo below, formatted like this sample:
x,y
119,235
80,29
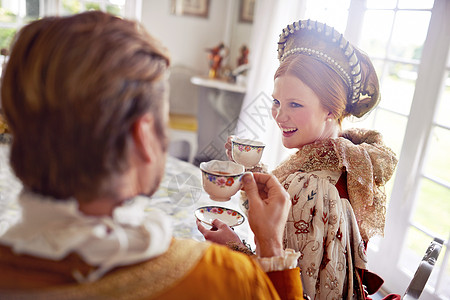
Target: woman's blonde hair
x,y
332,91
326,84
341,75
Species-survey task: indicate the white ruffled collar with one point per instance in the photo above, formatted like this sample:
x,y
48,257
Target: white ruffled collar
x,y
52,229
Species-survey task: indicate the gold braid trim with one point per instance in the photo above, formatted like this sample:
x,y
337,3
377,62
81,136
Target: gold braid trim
x,y
240,248
369,165
140,281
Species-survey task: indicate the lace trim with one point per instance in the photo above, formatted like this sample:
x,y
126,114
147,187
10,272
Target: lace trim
x,y
278,263
369,165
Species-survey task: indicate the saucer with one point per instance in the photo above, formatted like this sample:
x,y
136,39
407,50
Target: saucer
x,y
207,214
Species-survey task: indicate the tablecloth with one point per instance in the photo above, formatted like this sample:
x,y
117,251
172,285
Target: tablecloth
x,y
179,195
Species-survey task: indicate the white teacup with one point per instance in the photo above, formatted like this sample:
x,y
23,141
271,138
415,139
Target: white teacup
x,y
221,179
246,152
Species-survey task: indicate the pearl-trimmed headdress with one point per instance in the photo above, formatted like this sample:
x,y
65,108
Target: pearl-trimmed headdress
x,y
325,44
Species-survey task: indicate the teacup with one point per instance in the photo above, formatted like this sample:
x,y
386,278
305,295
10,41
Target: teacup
x,y
221,179
246,152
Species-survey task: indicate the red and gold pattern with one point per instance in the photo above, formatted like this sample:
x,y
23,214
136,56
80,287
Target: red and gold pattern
x,y
328,229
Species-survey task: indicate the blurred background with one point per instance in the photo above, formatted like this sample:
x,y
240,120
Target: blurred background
x,y
408,41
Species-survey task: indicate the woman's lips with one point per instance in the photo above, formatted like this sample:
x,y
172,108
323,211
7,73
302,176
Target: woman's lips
x,y
287,132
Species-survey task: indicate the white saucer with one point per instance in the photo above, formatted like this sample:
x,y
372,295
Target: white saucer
x,y
207,214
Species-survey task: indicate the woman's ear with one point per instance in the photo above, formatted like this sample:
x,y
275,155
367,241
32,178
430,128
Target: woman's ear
x,y
329,117
144,136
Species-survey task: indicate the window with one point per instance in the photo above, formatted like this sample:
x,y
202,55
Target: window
x,y
410,52
13,14
16,13
69,7
409,48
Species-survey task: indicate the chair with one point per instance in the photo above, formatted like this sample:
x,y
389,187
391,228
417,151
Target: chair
x,y
184,128
183,111
423,272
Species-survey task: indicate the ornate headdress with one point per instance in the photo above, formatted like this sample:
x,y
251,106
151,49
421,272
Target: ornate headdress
x,y
325,44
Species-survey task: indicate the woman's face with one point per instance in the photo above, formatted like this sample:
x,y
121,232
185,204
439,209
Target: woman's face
x,y
298,113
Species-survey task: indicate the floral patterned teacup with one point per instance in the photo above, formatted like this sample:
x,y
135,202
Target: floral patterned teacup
x,y
221,179
246,152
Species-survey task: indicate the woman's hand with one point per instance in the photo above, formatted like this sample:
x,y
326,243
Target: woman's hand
x,y
269,205
220,233
228,147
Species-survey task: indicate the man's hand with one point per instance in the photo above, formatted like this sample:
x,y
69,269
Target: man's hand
x,y
269,204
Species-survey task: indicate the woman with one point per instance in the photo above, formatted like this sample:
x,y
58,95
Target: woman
x,y
336,176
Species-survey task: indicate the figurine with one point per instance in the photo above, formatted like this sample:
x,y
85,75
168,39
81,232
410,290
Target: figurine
x,y
216,56
243,59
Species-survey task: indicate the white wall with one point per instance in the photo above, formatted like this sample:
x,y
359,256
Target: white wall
x,y
187,37
240,34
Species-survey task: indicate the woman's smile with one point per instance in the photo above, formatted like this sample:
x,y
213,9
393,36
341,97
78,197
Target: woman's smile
x,y
287,132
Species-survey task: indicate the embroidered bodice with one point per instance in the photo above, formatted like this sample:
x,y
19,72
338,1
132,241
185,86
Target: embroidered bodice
x,y
329,230
369,164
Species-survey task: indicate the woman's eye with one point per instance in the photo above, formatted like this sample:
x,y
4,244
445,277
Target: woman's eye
x,y
275,102
294,104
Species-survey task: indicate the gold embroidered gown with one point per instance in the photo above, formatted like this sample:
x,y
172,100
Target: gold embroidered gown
x,y
329,230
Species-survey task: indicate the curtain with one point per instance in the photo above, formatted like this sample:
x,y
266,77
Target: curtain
x,y
255,119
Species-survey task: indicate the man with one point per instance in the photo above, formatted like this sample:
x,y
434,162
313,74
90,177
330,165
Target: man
x,y
86,100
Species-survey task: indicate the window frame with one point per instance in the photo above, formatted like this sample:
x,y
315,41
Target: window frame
x,y
132,10
432,71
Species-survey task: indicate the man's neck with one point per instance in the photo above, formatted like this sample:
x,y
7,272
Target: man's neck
x,y
98,207
124,186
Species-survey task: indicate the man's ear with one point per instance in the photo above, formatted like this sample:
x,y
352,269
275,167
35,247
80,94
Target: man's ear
x,y
144,136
